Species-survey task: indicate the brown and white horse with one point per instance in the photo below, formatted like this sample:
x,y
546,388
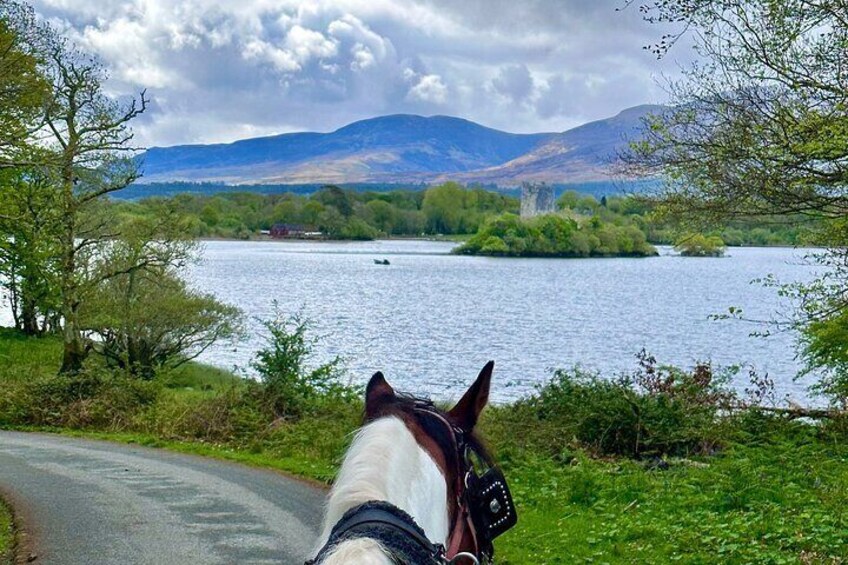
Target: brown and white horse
x,y
412,456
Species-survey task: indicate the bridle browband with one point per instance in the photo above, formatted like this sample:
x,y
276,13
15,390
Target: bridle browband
x,y
484,510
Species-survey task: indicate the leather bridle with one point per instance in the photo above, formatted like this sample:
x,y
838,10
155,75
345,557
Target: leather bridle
x,y
462,523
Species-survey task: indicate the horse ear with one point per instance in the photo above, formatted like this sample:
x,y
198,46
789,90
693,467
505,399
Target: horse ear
x,y
468,409
377,393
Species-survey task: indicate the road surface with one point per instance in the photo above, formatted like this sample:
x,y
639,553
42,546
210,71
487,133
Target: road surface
x,y
90,502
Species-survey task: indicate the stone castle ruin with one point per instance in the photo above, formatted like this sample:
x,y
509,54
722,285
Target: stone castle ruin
x,y
536,199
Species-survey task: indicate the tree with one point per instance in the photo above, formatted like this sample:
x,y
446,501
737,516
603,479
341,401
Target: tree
x,y
334,196
28,251
91,156
444,208
149,319
25,224
141,311
759,128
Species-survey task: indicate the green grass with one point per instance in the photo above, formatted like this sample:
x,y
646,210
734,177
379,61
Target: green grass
x,y
777,492
27,358
6,535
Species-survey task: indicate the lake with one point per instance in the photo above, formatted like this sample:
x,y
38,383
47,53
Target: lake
x,y
430,320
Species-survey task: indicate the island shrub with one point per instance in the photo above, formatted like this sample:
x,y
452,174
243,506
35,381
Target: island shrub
x,y
555,235
700,245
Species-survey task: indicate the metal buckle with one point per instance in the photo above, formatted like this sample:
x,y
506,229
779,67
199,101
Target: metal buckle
x,y
464,555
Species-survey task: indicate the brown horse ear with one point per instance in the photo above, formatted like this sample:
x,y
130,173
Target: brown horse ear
x,y
467,411
377,393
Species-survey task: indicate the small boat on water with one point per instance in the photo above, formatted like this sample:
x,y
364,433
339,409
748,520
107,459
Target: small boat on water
x,y
381,262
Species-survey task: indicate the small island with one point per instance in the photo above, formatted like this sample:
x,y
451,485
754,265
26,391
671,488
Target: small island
x,y
555,235
541,231
700,245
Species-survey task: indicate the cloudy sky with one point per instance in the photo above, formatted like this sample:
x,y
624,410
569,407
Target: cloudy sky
x,y
221,70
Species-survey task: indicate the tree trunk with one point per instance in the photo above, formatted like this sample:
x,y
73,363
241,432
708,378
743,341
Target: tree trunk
x,y
29,316
74,351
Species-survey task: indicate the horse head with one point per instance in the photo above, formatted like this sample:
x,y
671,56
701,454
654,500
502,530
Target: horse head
x,y
417,484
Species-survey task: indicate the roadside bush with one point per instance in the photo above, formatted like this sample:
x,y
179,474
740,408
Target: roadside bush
x,y
95,398
233,416
290,387
653,412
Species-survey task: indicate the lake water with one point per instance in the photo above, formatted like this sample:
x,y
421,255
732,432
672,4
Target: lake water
x,y
430,320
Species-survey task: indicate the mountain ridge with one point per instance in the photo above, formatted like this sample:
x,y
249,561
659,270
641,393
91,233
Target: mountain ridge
x,y
403,148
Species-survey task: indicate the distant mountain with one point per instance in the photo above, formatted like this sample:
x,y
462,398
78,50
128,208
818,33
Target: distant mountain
x,y
583,154
403,148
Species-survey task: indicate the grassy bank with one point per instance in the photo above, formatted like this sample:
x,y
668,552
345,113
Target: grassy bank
x,y
6,535
685,488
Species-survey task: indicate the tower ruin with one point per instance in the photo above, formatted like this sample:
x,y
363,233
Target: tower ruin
x,y
536,199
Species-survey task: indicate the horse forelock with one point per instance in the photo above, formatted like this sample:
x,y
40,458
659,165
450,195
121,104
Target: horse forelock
x,y
386,462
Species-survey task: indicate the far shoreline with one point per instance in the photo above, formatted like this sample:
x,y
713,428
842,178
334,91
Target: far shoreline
x,y
439,239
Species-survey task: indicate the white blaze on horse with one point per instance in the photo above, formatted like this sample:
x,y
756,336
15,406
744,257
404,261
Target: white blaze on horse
x,y
416,486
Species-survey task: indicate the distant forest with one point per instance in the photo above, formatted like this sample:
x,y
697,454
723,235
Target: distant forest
x,y
448,209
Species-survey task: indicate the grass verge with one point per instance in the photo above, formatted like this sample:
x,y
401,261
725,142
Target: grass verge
x,y
7,535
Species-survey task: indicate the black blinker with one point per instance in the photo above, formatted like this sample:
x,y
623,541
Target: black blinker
x,y
490,504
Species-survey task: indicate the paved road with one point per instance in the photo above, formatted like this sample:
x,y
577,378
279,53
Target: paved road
x,y
89,502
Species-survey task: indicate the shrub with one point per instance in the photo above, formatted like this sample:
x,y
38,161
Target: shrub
x,y
95,398
291,388
147,321
655,411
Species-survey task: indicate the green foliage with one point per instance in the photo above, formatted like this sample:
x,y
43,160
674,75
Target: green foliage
x,y
337,213
7,534
149,320
24,86
758,130
94,398
554,235
291,388
700,245
825,346
657,411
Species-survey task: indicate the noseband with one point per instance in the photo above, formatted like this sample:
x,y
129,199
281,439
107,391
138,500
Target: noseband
x,y
484,510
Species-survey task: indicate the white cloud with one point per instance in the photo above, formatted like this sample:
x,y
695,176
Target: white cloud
x,y
363,57
429,88
306,44
282,60
218,69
